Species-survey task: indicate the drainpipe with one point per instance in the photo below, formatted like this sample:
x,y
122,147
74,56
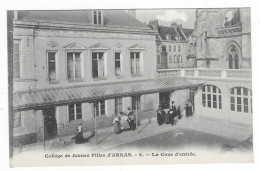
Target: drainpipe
x,y
136,113
43,132
95,124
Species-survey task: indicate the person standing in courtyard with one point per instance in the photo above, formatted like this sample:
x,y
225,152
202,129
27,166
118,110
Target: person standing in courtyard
x,y
116,123
178,112
171,116
190,108
187,112
159,115
79,137
129,111
124,122
131,120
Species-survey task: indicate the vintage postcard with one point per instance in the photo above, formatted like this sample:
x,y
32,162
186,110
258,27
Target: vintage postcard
x,y
130,86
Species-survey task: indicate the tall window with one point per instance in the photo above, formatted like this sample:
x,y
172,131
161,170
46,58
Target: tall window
x,y
174,48
16,59
135,63
74,65
170,48
170,59
158,59
211,97
136,102
118,70
118,105
51,65
97,16
100,108
17,120
75,112
177,59
241,100
233,57
179,48
98,64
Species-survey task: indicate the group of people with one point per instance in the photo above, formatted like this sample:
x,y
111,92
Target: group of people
x,y
124,121
169,114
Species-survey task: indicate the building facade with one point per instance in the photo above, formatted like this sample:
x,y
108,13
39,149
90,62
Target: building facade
x,y
223,38
72,48
173,46
82,66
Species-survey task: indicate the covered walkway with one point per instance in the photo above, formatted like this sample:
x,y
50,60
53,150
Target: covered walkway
x,y
42,98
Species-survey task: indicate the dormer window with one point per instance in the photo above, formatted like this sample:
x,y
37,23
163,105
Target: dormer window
x,y
168,37
97,17
177,38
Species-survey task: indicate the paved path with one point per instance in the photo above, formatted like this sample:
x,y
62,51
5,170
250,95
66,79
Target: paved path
x,y
107,139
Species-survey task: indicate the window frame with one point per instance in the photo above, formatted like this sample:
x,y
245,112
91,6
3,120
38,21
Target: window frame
x,y
74,112
17,41
121,63
133,101
74,65
235,96
179,48
207,97
56,65
118,105
99,18
170,59
135,63
174,48
20,118
99,105
104,62
158,56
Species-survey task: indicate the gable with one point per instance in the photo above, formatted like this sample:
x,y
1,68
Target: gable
x,y
136,47
99,46
74,46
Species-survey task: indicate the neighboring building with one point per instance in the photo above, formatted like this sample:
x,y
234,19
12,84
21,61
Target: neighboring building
x,y
84,67
173,46
222,40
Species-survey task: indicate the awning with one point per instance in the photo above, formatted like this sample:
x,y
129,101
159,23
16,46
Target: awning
x,y
35,100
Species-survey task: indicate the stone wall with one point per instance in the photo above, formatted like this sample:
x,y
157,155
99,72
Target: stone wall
x,y
34,62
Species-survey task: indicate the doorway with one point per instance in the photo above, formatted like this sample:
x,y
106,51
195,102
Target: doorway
x,y
164,99
50,123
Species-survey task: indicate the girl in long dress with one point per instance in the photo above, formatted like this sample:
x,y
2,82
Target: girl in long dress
x,y
116,123
124,121
131,120
79,137
159,116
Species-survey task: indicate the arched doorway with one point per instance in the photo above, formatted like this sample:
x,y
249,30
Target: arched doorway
x,y
233,56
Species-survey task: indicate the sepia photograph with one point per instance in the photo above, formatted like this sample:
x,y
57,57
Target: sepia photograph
x,y
130,86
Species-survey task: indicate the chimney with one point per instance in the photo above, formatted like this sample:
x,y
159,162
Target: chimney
x,y
154,24
15,15
174,25
132,12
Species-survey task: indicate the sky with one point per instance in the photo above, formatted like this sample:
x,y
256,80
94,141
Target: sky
x,y
186,17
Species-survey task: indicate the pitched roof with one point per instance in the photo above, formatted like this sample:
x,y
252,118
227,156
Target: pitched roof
x,y
163,31
187,32
89,93
111,17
